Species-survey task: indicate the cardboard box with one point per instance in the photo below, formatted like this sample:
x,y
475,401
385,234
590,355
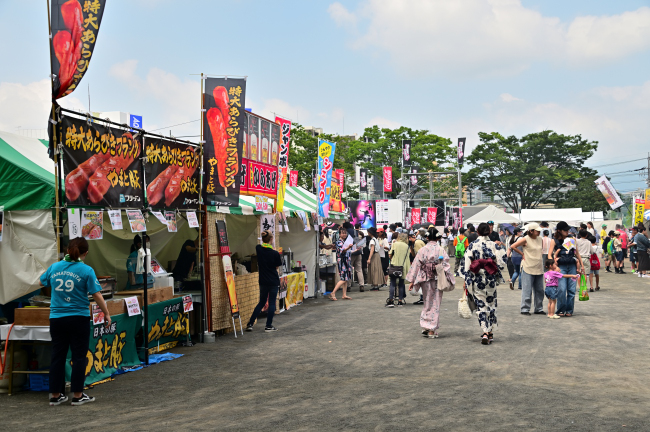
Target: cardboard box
x,y
154,295
115,306
29,316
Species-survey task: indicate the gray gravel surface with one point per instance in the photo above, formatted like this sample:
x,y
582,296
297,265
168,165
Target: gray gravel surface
x,y
355,365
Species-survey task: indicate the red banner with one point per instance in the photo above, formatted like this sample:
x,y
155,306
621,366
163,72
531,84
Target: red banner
x,y
259,179
340,175
388,179
432,213
415,216
293,178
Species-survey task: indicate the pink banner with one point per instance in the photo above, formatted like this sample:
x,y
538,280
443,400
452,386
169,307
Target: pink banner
x,y
432,213
388,179
415,216
293,179
340,175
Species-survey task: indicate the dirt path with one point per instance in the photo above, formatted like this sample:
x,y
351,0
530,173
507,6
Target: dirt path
x,y
355,365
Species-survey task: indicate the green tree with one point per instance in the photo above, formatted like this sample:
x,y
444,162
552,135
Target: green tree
x,y
525,172
585,195
380,147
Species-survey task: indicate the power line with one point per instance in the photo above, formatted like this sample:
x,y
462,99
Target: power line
x,y
617,163
626,171
180,124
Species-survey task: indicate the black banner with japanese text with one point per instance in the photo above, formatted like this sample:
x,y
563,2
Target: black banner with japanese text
x,y
75,25
101,164
171,173
223,132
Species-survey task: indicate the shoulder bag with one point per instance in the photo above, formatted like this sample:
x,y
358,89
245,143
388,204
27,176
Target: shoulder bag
x,y
398,271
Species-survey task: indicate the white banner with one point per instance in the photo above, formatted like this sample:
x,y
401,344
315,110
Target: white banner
x,y
192,221
609,192
382,212
116,219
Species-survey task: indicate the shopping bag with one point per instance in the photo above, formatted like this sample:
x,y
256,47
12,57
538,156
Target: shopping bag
x,y
463,307
594,262
584,290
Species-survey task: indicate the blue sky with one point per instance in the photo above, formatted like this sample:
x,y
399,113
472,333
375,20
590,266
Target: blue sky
x,y
454,68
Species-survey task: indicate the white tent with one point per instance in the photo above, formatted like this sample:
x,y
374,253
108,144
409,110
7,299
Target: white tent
x,y
592,216
491,213
572,216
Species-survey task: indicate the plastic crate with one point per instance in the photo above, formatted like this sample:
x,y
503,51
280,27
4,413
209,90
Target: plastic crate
x,y
39,382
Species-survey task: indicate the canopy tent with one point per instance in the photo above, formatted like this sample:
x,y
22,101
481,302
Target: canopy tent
x,y
492,213
572,216
295,199
26,173
593,216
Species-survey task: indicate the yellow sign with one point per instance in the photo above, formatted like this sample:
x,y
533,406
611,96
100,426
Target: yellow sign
x,y
639,208
325,150
647,199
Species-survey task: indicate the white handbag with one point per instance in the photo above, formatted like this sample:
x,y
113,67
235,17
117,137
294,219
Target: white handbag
x,y
463,307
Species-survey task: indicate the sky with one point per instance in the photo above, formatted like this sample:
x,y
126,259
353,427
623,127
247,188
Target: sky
x,y
455,68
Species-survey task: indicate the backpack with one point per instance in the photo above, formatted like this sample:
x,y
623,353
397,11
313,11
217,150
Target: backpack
x,y
610,247
595,262
460,246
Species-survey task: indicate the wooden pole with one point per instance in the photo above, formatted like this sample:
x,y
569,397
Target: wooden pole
x,y
57,174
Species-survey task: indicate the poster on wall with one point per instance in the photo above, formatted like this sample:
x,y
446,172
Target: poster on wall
x,y
608,191
363,212
224,102
382,211
101,165
171,174
136,220
74,34
74,223
170,218
92,224
388,179
326,151
115,217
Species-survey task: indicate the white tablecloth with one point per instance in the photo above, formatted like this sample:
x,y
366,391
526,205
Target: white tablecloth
x,y
39,333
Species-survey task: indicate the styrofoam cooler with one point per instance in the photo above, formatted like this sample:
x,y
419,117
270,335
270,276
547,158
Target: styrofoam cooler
x,y
163,281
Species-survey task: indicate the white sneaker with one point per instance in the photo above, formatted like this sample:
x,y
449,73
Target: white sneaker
x,y
646,276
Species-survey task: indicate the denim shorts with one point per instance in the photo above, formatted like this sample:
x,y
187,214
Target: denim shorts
x,y
619,256
551,292
595,272
633,257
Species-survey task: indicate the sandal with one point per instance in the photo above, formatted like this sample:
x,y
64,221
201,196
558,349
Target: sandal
x,y
346,298
432,336
485,340
561,314
591,290
332,298
597,288
490,337
568,315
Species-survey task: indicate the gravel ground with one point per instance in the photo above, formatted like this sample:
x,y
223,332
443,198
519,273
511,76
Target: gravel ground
x,y
355,365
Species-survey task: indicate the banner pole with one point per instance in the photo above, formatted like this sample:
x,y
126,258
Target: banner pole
x,y
202,239
57,204
145,295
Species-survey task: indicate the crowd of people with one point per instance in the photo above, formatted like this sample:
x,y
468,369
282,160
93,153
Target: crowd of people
x,y
541,262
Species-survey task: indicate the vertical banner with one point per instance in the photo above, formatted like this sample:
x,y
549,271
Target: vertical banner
x,y
407,221
414,179
336,203
363,212
363,180
639,208
432,214
284,127
101,164
293,179
224,248
326,152
74,34
423,215
224,101
415,216
340,175
461,151
171,174
609,192
406,153
388,179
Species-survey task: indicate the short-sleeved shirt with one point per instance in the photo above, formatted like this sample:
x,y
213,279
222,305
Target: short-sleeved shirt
x,y
268,260
71,284
552,278
623,239
131,264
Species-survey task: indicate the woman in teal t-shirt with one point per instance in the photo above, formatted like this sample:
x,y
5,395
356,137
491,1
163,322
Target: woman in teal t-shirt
x,y
71,281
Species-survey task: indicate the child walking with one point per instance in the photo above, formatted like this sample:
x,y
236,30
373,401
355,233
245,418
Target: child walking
x,y
552,278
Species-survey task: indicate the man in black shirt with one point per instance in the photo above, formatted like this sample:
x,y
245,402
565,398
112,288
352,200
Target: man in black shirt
x,y
472,236
494,236
186,260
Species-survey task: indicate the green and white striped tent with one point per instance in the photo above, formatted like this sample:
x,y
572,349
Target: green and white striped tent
x,y
26,173
296,199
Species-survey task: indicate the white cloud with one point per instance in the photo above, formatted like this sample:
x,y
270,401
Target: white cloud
x,y
269,108
28,106
507,97
382,123
616,117
489,37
